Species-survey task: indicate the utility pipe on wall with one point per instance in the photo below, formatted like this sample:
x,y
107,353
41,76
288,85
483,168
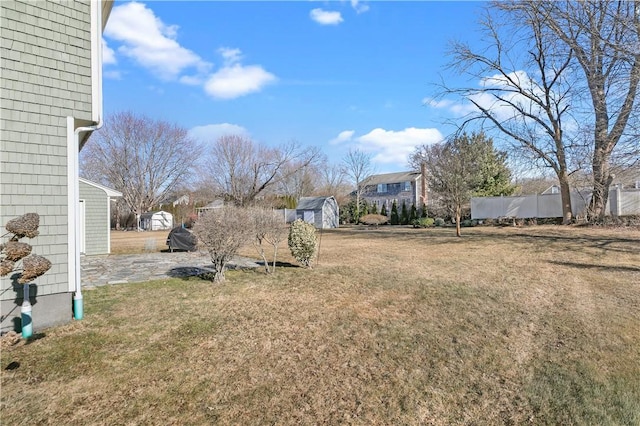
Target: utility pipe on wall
x,y
74,140
25,313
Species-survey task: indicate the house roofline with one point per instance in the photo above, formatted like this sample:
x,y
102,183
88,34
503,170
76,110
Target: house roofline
x,y
111,193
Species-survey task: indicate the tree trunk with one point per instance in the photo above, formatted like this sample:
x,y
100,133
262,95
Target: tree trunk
x,y
117,209
565,196
218,271
602,180
458,214
423,182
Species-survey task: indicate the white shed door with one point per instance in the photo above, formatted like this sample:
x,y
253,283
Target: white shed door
x,y
309,216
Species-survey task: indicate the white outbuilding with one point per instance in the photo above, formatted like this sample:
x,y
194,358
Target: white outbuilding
x,y
156,221
323,212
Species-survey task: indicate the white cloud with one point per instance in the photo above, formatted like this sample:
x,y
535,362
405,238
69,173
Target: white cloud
x,y
359,7
113,75
229,55
192,80
395,147
390,146
150,42
234,79
211,132
343,136
507,87
459,109
108,55
325,17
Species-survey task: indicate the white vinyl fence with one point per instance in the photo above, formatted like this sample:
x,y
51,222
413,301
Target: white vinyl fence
x,y
287,215
621,203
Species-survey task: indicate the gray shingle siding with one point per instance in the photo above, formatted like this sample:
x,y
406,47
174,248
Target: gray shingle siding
x,y
96,219
45,57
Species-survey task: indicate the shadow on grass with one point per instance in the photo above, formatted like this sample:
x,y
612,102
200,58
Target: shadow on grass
x,y
535,236
186,272
205,272
618,244
279,264
601,267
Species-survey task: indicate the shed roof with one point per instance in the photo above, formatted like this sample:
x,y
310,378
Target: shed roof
x,y
311,203
392,178
151,214
215,204
111,193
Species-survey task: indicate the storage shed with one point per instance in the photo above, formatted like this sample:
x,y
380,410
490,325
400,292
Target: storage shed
x,y
95,217
156,221
323,212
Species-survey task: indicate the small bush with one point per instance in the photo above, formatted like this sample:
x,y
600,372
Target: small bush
x,y
423,222
439,221
302,242
223,231
374,219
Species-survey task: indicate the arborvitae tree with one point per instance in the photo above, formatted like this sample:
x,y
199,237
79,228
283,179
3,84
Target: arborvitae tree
x,y
364,208
423,212
395,218
404,215
413,214
374,208
383,210
349,212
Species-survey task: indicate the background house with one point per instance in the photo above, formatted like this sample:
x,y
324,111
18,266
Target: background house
x,y
384,189
156,221
51,61
95,217
323,212
215,204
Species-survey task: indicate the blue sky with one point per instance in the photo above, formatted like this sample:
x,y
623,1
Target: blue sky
x,y
335,75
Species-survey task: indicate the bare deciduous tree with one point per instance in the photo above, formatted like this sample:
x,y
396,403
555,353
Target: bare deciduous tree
x,y
241,169
530,111
223,231
358,167
270,229
604,37
551,71
298,180
332,181
141,157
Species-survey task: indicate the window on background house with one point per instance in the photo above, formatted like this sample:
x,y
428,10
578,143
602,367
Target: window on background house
x,y
382,187
406,186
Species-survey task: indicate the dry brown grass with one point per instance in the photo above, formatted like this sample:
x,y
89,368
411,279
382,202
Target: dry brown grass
x,y
138,242
393,326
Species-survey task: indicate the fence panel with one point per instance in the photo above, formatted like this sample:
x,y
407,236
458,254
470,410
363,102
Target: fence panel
x,y
621,203
629,203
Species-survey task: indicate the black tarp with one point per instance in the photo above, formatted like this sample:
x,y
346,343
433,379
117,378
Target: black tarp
x,y
181,239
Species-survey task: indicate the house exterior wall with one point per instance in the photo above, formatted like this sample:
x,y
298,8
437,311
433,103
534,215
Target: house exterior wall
x,y
96,217
394,191
45,57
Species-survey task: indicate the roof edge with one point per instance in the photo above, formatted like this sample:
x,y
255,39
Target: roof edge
x,y
111,193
